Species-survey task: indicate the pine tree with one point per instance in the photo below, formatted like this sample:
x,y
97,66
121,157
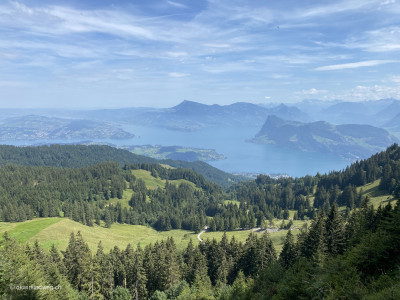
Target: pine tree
x,y
313,245
106,278
77,260
288,254
107,218
56,259
335,238
136,274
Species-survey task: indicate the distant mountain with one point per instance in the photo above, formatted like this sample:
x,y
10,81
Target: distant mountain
x,y
393,124
34,127
352,141
374,113
390,115
289,113
190,115
344,112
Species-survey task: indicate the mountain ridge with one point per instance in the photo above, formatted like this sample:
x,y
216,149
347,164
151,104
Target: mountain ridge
x,y
352,141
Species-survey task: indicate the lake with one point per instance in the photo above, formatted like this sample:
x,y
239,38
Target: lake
x,y
241,156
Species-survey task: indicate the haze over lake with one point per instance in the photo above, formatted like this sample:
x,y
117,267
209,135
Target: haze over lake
x,y
241,156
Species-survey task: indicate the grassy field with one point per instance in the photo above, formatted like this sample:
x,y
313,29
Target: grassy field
x,y
48,231
127,195
241,235
24,231
57,231
376,196
151,182
227,202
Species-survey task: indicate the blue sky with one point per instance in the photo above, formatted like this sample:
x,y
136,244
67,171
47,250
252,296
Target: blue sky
x,y
98,53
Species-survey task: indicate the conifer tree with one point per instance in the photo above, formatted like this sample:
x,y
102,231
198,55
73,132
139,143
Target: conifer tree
x,y
77,260
136,274
334,228
288,254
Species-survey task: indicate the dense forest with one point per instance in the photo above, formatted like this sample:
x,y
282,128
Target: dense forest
x,y
74,156
346,253
333,259
188,200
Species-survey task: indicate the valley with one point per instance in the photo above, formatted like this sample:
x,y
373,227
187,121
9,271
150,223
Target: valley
x,y
57,231
199,150
332,135
144,216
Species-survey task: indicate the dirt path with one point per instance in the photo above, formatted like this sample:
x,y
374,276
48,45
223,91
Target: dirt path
x,y
201,232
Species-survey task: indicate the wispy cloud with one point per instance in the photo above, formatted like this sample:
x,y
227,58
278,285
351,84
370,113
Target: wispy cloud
x,y
355,65
335,8
178,75
313,91
177,4
260,48
9,83
374,92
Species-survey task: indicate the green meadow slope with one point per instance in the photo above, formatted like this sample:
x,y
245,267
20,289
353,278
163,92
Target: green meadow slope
x,y
48,231
57,231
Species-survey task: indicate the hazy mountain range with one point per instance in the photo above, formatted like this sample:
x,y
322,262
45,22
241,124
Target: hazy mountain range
x,y
34,127
349,129
351,141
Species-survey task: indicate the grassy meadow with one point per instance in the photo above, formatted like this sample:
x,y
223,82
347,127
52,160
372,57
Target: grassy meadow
x,y
48,231
376,196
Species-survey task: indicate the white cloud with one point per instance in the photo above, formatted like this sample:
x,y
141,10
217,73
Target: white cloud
x,y
363,93
62,20
9,83
313,91
178,75
375,92
395,79
217,45
176,4
337,7
279,76
385,39
368,63
177,54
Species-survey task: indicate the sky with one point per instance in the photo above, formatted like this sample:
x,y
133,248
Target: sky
x,y
108,54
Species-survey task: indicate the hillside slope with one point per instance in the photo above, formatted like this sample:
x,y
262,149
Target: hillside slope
x,y
351,141
34,127
72,156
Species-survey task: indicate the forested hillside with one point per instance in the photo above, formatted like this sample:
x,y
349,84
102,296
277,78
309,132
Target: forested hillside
x,y
73,156
184,199
333,259
350,251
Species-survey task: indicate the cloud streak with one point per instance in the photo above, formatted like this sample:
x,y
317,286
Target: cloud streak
x,y
217,46
355,65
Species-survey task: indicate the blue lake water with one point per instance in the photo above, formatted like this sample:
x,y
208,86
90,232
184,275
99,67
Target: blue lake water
x,y
241,156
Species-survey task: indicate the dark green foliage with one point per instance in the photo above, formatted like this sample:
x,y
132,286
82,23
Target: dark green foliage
x,y
77,261
289,251
363,265
25,271
334,228
349,255
75,156
121,293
